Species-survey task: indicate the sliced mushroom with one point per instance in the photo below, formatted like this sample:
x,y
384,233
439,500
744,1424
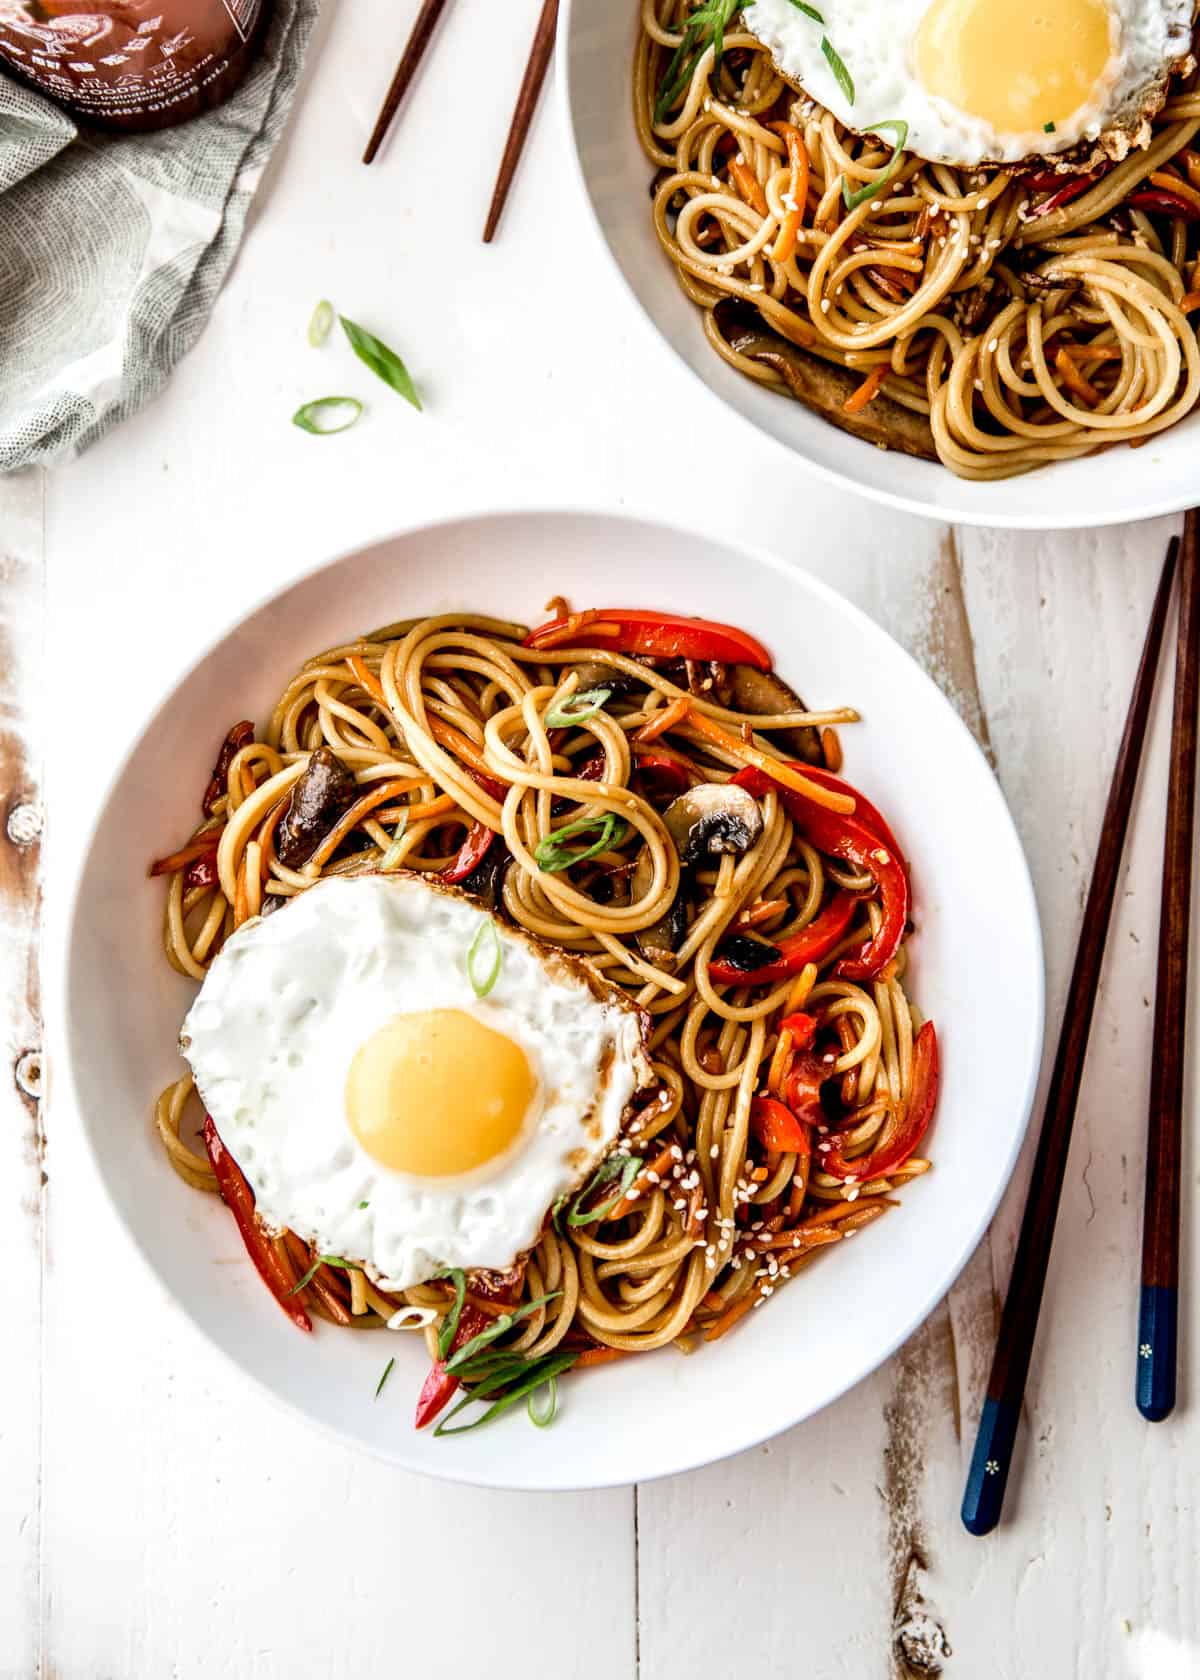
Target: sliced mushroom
x,y
324,791
659,943
762,693
711,818
592,674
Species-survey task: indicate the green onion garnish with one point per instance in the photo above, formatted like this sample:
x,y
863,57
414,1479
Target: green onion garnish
x,y
381,360
1048,128
499,1327
505,1386
364,1204
576,707
322,320
853,199
840,73
544,1418
321,1260
450,1322
706,26
624,1167
387,1371
483,959
392,857
326,415
551,856
809,11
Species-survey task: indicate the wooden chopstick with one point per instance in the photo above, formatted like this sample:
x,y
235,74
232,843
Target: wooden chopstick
x,y
988,1475
410,62
531,87
1158,1311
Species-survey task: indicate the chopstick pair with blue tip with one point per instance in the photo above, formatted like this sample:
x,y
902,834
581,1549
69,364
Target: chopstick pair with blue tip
x,y
1158,1315
992,1459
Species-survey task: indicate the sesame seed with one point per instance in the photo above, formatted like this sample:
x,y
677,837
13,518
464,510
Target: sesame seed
x,y
852,1195
993,345
825,306
715,1151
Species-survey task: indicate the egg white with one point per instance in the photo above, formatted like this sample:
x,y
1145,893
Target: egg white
x,y
291,998
875,41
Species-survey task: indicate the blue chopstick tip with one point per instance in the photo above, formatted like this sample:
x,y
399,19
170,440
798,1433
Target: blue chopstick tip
x,y
1158,1335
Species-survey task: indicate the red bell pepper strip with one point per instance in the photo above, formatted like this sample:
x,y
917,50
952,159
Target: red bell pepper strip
x,y
803,1028
1163,202
439,1386
777,1128
822,935
239,1199
853,842
202,872
652,635
663,774
1074,188
470,854
870,816
903,1132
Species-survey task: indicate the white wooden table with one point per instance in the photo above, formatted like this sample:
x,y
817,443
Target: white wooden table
x,y
157,1517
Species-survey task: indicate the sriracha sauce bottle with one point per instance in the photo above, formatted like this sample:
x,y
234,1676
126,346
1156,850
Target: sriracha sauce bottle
x,y
131,65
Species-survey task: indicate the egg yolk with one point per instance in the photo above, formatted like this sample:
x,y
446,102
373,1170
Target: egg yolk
x,y
437,1092
1016,64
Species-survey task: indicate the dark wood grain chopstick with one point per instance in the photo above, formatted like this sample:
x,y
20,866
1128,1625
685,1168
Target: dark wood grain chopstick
x,y
1158,1308
531,87
988,1475
410,62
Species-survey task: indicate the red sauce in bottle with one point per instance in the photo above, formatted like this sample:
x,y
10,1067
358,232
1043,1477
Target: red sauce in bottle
x,y
131,65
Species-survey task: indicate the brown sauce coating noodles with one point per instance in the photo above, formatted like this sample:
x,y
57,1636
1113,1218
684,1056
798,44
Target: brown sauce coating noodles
x,y
426,715
1021,338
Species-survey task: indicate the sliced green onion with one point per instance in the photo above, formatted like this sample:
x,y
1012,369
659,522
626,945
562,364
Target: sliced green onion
x,y
809,11
499,1327
551,856
450,1323
624,1167
387,1371
321,1260
853,199
576,707
322,321
539,1373
706,24
840,73
326,415
484,958
382,361
391,858
544,1418
1048,128
364,1204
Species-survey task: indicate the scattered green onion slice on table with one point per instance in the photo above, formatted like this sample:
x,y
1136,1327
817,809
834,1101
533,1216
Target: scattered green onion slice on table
x,y
381,359
326,415
322,321
387,1371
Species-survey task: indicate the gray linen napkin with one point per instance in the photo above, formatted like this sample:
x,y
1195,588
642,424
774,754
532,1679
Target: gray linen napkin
x,y
113,249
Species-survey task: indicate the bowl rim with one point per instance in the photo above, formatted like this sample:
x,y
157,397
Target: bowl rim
x,y
1027,910
952,512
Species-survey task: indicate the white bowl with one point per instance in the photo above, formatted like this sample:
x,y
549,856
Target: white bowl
x,y
977,970
595,55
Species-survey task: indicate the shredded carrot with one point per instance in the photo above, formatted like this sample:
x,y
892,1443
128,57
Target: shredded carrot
x,y
820,1238
598,1356
1074,380
369,802
204,847
831,747
660,1166
868,390
1094,353
747,184
1175,184
772,767
798,996
1189,301
366,679
428,808
446,735
552,636
730,1317
789,231
764,910
664,719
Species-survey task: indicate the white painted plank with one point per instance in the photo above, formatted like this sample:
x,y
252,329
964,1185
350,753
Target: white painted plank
x,y
21,1181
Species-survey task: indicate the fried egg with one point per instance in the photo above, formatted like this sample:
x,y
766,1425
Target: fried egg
x,y
384,1110
984,80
